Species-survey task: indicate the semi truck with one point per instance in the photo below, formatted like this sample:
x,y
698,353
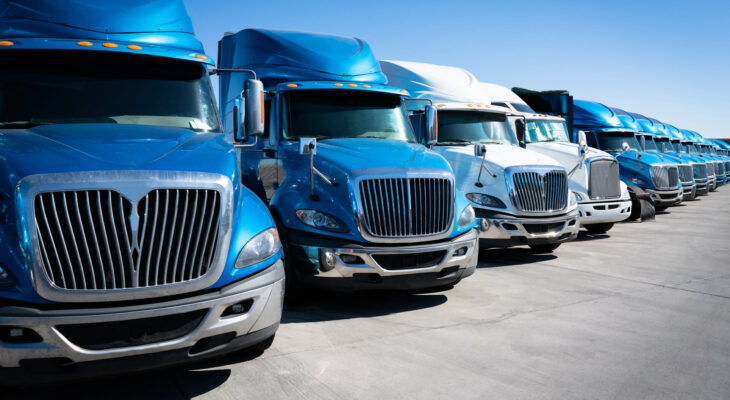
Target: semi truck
x,y
655,139
708,149
359,203
594,174
521,197
723,148
644,173
692,147
128,242
699,167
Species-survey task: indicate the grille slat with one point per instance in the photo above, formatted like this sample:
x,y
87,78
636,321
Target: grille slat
x,y
87,241
685,174
406,207
537,192
604,179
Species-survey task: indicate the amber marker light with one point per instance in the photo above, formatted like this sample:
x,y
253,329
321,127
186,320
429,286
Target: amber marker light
x,y
134,47
291,85
84,44
6,43
201,57
366,86
110,45
338,84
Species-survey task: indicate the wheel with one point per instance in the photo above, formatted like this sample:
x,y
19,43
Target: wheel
x,y
292,286
660,208
635,209
597,229
544,248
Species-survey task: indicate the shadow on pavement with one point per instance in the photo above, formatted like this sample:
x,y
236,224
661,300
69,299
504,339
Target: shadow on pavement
x,y
492,258
327,306
584,236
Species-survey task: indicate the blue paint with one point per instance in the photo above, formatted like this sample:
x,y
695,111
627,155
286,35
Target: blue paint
x,y
162,29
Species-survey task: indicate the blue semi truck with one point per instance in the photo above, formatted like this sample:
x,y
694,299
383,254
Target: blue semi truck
x,y
699,167
655,139
128,241
359,202
643,173
708,149
691,146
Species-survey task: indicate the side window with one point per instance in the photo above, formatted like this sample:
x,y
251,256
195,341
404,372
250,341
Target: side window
x,y
591,140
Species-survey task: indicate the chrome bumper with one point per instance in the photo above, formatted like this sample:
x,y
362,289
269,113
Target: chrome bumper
x,y
689,191
520,229
343,274
266,290
603,211
666,197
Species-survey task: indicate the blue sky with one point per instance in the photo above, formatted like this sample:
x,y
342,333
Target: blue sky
x,y
666,59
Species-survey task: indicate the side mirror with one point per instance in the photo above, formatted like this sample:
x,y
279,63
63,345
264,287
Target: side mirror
x,y
520,131
307,146
582,143
480,150
625,147
432,125
643,143
254,107
664,147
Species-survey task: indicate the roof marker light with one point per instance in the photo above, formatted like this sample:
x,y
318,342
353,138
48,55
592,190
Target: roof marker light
x,y
338,84
470,105
201,57
351,85
479,105
110,45
440,105
366,86
404,91
292,85
486,105
84,43
6,43
134,47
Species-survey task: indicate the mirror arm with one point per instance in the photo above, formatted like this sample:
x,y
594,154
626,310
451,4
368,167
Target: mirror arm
x,y
218,71
483,168
313,171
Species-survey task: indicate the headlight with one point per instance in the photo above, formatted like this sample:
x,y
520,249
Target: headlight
x,y
485,200
573,199
638,181
467,217
320,220
6,280
259,248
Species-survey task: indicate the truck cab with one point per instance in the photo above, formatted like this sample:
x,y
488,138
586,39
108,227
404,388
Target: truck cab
x,y
521,197
614,132
723,148
128,242
699,167
691,145
656,140
594,174
359,202
708,150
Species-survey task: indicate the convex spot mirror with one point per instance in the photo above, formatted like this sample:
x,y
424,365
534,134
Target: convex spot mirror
x,y
480,150
307,146
582,143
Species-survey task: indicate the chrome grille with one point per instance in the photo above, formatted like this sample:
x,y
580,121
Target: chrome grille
x,y
665,177
710,170
685,174
406,207
97,239
699,171
727,166
540,191
604,180
720,170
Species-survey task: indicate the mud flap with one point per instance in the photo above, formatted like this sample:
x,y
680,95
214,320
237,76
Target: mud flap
x,y
644,201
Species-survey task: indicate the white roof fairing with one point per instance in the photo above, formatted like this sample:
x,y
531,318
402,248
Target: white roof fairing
x,y
440,83
499,93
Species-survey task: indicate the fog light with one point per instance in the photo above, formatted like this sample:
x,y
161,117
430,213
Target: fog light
x,y
6,280
351,259
238,308
18,335
461,251
485,224
327,260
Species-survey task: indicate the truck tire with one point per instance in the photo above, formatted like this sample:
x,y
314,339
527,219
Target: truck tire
x,y
597,229
635,209
544,248
660,208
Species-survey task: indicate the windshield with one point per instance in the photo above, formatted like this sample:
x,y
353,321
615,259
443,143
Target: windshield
x,y
464,127
338,114
522,108
651,146
692,149
665,146
546,131
70,87
613,141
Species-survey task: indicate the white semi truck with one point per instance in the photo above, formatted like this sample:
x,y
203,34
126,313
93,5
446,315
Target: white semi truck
x,y
594,174
521,196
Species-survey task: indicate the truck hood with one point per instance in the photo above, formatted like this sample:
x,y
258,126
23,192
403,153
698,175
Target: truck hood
x,y
563,152
348,155
646,158
502,156
85,147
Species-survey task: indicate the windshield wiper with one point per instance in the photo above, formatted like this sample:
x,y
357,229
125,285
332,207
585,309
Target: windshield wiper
x,y
461,142
23,124
491,141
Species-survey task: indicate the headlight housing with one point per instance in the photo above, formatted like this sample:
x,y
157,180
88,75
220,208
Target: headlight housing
x,y
320,220
638,181
573,199
485,200
262,246
467,217
578,196
6,280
